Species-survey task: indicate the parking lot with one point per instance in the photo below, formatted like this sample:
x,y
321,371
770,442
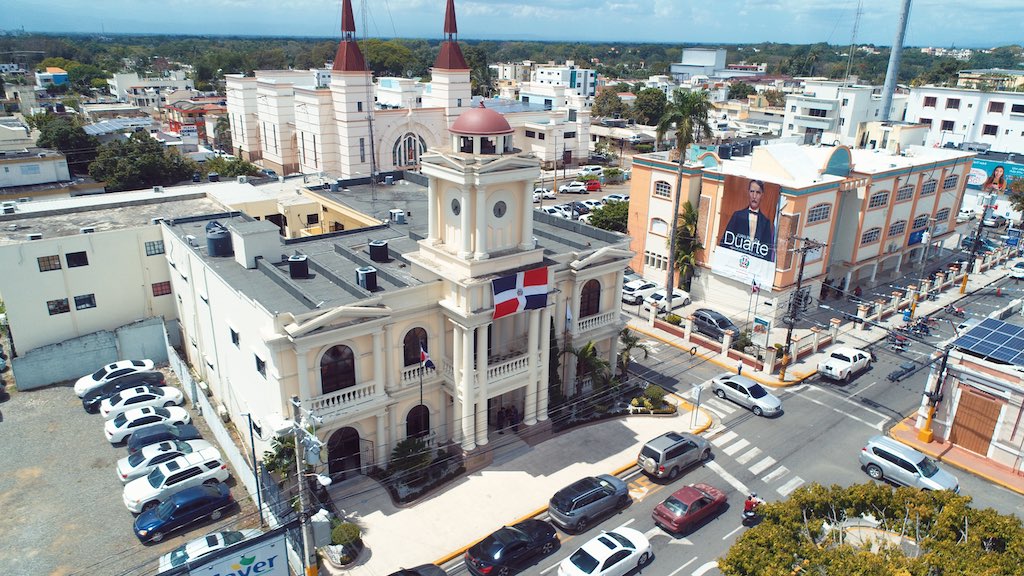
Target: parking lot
x,y
61,504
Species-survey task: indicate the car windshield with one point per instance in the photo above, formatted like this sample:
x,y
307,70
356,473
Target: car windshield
x,y
115,399
584,561
622,540
135,459
120,420
757,391
842,357
178,556
165,509
231,537
676,506
99,373
927,467
156,478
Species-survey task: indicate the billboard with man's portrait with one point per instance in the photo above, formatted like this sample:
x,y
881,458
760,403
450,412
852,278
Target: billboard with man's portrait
x,y
745,247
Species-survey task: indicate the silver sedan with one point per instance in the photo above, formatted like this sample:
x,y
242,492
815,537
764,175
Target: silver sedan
x,y
746,393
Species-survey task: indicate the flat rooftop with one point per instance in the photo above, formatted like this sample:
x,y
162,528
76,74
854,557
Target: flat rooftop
x,y
333,258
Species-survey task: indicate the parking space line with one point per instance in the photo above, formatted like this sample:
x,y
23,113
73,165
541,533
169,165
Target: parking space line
x,y
705,568
777,473
737,529
721,405
847,414
748,455
788,487
724,438
762,465
677,570
737,446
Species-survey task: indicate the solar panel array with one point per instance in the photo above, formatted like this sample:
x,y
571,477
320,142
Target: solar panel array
x,y
996,340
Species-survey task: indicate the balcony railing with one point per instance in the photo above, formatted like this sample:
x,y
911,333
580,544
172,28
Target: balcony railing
x,y
337,403
592,322
411,374
508,368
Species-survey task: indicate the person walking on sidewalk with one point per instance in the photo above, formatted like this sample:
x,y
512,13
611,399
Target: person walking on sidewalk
x,y
739,368
501,420
514,418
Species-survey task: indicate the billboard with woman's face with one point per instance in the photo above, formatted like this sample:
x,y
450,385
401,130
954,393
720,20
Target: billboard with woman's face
x,y
745,249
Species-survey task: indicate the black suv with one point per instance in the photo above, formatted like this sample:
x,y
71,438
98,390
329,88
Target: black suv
x,y
713,324
91,401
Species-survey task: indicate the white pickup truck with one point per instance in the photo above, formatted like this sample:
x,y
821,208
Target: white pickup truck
x,y
843,363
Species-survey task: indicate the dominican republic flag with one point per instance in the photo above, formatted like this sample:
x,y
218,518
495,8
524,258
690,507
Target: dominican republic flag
x,y
425,361
521,291
754,288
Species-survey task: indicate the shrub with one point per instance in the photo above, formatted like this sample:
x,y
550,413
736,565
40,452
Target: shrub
x,y
656,394
674,319
345,533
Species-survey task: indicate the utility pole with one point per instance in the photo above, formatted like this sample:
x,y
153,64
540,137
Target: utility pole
x,y
977,241
309,560
796,300
934,396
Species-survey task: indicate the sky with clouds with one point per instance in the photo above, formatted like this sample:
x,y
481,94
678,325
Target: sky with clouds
x,y
980,23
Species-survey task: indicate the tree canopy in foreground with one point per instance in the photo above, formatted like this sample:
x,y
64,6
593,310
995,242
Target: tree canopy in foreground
x,y
942,535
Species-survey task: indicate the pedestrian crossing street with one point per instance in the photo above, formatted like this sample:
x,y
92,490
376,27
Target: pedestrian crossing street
x,y
775,475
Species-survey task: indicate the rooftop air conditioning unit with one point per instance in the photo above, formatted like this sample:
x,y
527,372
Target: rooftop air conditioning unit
x,y
13,227
158,189
243,179
25,199
892,247
35,236
86,230
222,413
191,240
8,208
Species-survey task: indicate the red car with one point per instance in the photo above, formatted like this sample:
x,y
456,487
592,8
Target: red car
x,y
688,507
593,185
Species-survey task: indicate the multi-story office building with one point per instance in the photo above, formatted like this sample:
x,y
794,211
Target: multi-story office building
x,y
830,112
969,118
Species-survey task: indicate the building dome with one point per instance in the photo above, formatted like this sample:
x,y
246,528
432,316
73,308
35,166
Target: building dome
x,y
480,121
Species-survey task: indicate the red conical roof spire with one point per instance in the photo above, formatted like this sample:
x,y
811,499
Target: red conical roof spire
x,y
449,19
450,57
348,58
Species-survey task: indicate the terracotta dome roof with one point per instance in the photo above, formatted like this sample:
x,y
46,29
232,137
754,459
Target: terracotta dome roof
x,y
481,121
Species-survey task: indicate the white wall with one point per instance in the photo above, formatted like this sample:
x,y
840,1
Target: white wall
x,y
29,170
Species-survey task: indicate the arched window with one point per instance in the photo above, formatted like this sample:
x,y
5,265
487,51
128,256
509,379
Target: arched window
x,y
942,215
871,236
417,422
407,150
659,227
663,189
897,228
920,222
337,370
819,213
411,345
590,299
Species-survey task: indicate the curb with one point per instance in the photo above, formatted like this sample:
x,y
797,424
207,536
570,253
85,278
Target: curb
x,y
938,456
713,358
453,555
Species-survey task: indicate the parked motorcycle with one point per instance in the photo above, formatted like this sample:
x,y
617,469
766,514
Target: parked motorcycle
x,y
958,312
750,514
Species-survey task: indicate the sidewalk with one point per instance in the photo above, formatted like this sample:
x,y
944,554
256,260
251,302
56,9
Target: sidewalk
x,y
517,485
1004,476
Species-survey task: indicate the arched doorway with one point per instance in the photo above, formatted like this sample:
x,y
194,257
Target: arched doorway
x,y
590,299
343,453
414,339
417,422
337,369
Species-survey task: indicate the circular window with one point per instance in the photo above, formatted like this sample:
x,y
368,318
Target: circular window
x,y
499,209
456,207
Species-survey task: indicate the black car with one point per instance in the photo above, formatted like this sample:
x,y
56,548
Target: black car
x,y
91,401
511,548
902,372
579,207
160,433
183,509
713,324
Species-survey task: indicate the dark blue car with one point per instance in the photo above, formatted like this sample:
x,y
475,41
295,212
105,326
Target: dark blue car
x,y
160,433
182,509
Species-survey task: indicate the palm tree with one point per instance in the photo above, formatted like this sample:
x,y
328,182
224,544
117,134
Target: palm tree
x,y
687,115
628,342
687,244
222,133
588,363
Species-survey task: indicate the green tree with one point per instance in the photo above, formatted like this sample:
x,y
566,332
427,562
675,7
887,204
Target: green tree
x,y
775,98
1015,192
230,168
687,116
608,104
82,76
138,162
387,57
64,134
740,91
222,139
628,342
589,362
479,70
649,105
613,216
687,244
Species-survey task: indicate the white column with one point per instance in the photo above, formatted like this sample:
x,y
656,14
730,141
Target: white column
x,y
526,242
481,377
545,362
433,213
391,378
457,410
382,441
467,229
442,418
480,230
532,338
302,366
468,396
378,361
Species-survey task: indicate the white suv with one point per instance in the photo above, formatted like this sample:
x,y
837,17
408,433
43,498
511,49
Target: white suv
x,y
634,292
658,301
202,467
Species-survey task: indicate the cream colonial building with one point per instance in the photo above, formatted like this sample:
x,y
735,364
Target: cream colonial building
x,y
290,121
339,319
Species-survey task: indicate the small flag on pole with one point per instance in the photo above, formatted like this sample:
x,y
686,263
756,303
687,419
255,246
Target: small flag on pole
x,y
568,315
754,288
425,359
